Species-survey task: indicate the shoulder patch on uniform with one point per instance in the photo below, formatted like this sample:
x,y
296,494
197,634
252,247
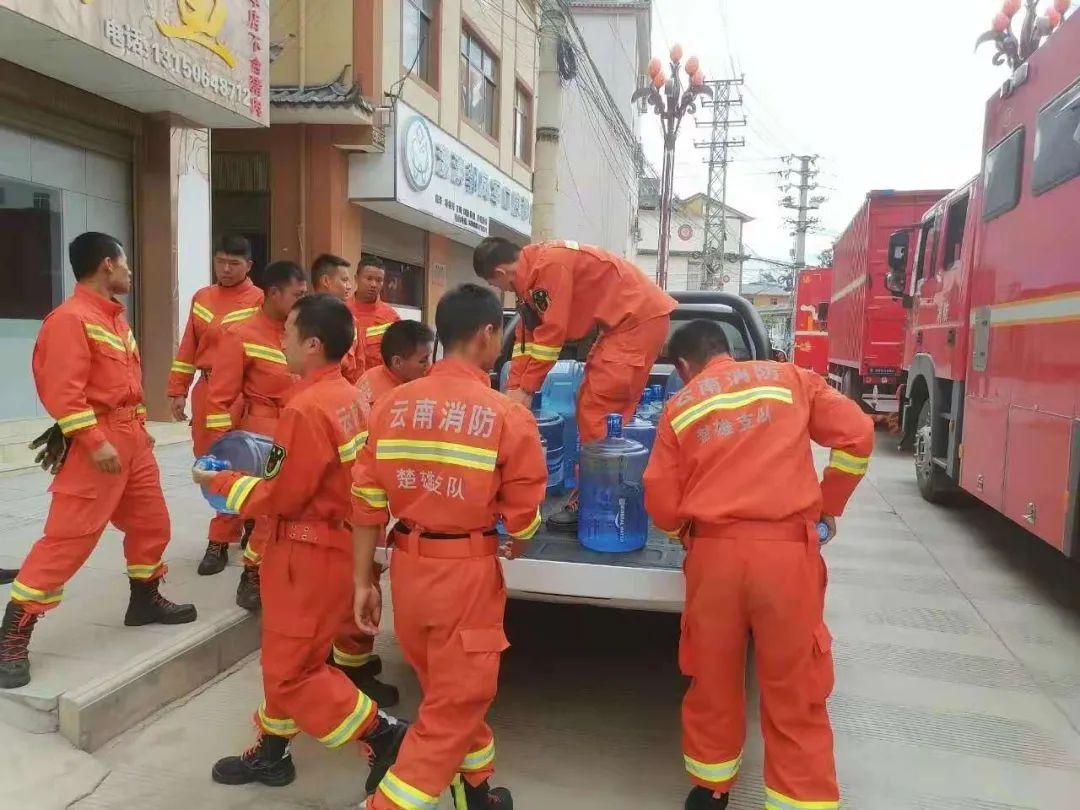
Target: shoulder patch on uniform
x,y
541,300
274,461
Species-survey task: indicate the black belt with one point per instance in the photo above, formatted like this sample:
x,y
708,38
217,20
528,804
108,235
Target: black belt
x,y
404,528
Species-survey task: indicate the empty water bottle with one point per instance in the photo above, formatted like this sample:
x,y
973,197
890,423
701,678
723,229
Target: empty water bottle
x,y
559,395
550,426
612,498
211,463
238,450
656,403
641,431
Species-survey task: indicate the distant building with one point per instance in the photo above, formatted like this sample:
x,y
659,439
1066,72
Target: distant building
x,y
774,304
686,269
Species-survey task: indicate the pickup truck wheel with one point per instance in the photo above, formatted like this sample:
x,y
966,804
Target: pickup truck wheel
x,y
934,484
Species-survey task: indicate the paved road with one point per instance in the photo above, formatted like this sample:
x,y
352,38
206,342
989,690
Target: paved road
x,y
958,687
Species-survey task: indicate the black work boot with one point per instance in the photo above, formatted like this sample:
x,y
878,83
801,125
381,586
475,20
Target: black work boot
x,y
481,797
566,519
14,640
364,678
215,559
8,575
148,606
382,744
702,799
268,762
247,590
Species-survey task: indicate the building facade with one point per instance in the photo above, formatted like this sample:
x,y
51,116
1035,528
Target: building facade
x,y
775,305
399,128
686,270
105,115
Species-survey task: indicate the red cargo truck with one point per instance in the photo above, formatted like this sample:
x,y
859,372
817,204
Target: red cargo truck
x,y
810,329
992,399
866,322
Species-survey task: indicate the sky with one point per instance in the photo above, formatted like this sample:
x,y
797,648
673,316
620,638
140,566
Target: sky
x,y
890,94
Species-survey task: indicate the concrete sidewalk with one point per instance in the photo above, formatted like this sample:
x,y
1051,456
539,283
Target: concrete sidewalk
x,y
92,677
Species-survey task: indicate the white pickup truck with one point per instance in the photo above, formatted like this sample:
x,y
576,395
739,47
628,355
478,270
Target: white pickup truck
x,y
557,568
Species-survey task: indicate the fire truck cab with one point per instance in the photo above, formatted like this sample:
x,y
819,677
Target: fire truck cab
x,y
992,286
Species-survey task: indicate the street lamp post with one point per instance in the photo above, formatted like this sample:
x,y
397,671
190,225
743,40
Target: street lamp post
x,y
670,101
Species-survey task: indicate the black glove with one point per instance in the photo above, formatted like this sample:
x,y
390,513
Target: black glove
x,y
54,449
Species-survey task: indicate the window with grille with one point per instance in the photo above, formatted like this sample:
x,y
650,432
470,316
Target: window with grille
x,y
479,83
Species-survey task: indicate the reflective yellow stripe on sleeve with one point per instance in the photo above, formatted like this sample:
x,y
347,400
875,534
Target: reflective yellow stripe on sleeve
x,y
240,491
377,330
76,421
530,530
265,353
538,351
347,452
103,335
729,402
372,496
239,315
181,367
218,421
846,462
201,312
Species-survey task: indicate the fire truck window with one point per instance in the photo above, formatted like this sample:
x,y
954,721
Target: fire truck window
x,y
927,244
954,231
1001,178
1057,142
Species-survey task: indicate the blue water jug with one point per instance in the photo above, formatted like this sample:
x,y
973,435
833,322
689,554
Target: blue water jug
x,y
656,407
612,516
674,385
559,395
237,450
641,431
550,426
644,405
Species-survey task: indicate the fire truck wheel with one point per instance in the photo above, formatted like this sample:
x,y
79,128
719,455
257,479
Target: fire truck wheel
x,y
934,484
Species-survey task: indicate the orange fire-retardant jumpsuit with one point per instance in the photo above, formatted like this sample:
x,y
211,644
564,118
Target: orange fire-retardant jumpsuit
x,y
372,321
447,455
307,567
573,288
249,367
354,364
351,647
89,377
732,474
211,307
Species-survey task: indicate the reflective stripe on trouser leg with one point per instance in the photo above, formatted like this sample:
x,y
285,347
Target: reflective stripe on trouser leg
x,y
345,659
716,775
481,759
279,727
34,599
350,727
778,801
402,794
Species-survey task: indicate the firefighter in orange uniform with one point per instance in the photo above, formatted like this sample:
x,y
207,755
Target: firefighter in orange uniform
x,y
732,475
249,367
373,315
333,275
564,290
307,565
89,377
448,456
231,299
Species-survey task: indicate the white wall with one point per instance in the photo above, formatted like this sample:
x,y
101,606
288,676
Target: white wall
x,y
683,248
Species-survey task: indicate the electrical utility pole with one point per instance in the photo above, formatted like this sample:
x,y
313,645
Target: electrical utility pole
x,y
805,173
714,249
548,120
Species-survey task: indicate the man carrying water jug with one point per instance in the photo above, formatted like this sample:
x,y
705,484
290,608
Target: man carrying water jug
x,y
732,476
564,290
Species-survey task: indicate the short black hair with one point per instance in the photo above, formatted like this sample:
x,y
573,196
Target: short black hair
x,y
698,341
464,311
492,252
281,274
233,244
325,317
88,250
324,265
403,338
367,260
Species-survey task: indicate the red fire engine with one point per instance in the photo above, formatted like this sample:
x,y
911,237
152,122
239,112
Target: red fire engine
x,y
866,322
992,400
811,331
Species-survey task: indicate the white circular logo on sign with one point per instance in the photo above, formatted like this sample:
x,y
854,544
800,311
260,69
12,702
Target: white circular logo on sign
x,y
727,279
418,153
685,232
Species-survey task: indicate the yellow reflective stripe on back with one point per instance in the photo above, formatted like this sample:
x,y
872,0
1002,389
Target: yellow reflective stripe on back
x,y
713,771
239,315
405,795
24,593
475,760
530,530
76,421
778,801
240,491
375,331
202,312
372,496
460,455
103,335
183,368
728,402
347,452
846,462
351,724
265,353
